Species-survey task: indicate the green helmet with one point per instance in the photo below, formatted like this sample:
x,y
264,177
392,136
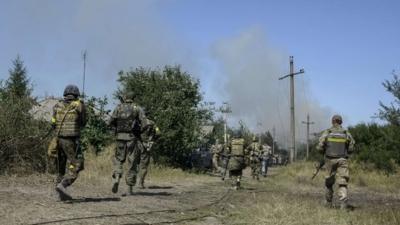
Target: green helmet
x,y
128,95
337,119
237,134
71,90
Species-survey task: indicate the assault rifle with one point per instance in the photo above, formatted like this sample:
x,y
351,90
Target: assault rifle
x,y
318,167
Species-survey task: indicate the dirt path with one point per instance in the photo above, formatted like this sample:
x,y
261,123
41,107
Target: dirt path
x,y
30,200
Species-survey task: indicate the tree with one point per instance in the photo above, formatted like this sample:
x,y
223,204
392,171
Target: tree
x,y
18,84
391,113
21,146
96,133
172,99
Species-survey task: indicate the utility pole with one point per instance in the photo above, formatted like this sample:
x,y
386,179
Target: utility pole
x,y
308,123
259,124
225,109
293,152
273,140
84,73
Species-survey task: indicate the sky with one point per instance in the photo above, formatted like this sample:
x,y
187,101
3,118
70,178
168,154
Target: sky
x,y
237,49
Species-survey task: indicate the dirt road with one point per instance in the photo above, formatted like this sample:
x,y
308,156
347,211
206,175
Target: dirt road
x,y
30,200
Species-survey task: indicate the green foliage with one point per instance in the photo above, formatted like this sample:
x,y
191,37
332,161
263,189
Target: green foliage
x,y
96,132
218,132
172,99
378,145
391,113
21,144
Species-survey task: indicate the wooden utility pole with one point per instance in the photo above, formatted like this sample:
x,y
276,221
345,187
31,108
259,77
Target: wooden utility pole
x,y
84,73
308,123
273,140
225,109
292,152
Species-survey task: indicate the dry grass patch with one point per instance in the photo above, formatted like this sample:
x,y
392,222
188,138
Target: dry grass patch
x,y
99,168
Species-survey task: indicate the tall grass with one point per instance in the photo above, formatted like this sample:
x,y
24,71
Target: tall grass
x,y
99,168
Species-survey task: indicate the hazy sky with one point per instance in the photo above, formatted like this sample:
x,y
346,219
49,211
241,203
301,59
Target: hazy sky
x,y
237,49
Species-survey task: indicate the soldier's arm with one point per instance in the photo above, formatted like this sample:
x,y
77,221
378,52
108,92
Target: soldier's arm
x,y
321,142
83,113
53,118
351,142
113,119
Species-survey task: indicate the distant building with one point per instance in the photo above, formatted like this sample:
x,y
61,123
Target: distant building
x,y
44,109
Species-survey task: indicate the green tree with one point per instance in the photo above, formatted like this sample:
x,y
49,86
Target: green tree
x,y
391,113
173,100
96,132
18,84
20,135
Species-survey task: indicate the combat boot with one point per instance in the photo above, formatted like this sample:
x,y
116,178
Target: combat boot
x,y
328,204
344,205
141,185
130,190
62,192
115,185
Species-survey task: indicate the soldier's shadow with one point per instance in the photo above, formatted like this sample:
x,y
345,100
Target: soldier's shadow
x,y
87,200
142,193
159,187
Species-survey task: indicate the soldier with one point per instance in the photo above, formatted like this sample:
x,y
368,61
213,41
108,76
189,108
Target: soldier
x,y
336,143
127,119
255,155
265,155
68,120
149,134
216,150
236,163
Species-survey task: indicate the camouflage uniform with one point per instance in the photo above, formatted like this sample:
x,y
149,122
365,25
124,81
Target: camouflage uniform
x,y
336,143
68,120
265,157
255,162
127,118
236,163
216,150
148,136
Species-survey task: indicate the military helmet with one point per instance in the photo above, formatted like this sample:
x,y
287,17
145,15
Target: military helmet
x,y
71,90
337,119
236,134
128,95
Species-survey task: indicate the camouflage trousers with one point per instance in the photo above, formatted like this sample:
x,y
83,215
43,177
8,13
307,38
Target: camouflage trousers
x,y
127,150
215,160
236,177
143,165
255,165
337,172
68,164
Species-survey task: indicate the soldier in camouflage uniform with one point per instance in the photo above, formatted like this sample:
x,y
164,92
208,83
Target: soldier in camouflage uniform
x,y
216,150
236,162
265,157
68,120
336,144
127,119
255,155
149,134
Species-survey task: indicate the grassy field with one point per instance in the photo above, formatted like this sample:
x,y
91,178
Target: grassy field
x,y
290,197
287,196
